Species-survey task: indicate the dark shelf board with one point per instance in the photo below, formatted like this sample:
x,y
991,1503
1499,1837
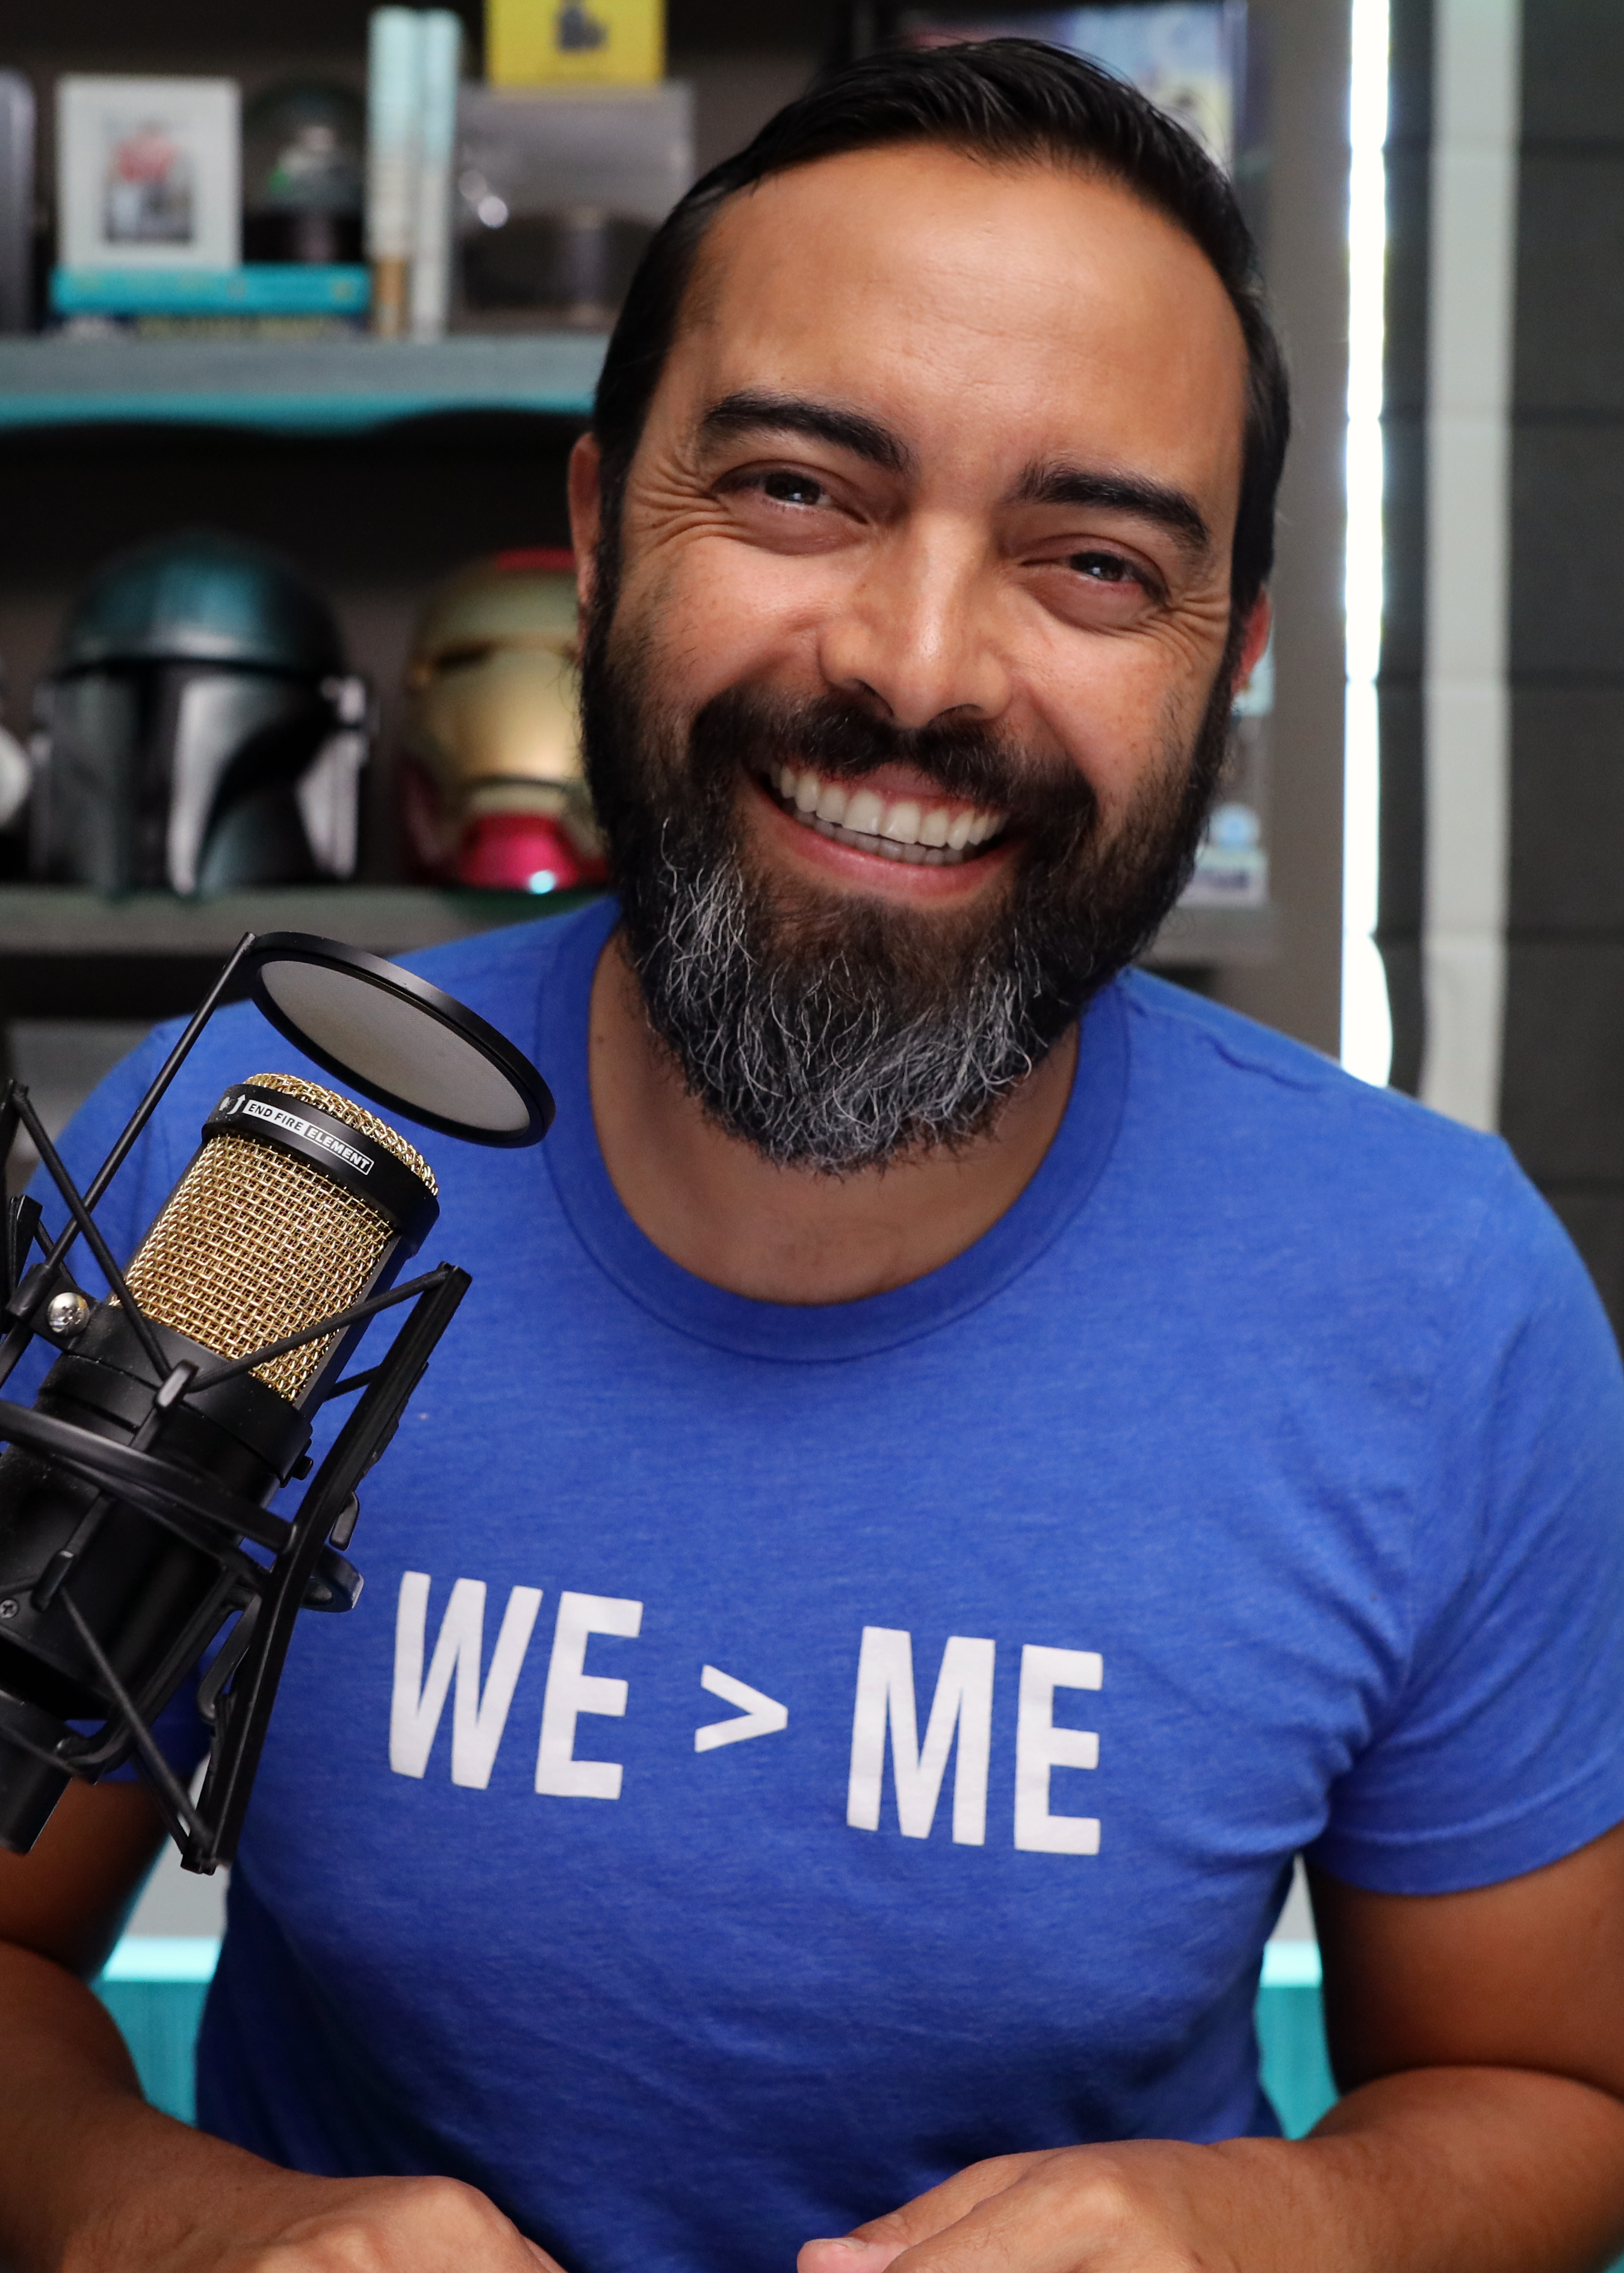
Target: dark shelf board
x,y
70,954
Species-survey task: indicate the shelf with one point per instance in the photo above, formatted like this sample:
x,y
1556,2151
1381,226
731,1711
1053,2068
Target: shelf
x,y
317,386
70,954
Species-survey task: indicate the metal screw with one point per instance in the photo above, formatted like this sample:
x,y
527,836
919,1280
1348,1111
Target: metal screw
x,y
66,1313
8,1608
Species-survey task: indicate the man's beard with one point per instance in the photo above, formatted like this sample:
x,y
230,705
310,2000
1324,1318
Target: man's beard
x,y
837,1032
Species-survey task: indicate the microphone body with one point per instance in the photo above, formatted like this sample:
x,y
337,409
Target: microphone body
x,y
298,1205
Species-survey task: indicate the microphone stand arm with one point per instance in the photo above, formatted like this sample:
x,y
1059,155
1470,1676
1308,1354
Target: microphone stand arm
x,y
243,1712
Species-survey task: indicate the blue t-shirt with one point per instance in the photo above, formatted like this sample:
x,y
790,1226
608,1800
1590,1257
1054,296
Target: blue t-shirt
x,y
784,1754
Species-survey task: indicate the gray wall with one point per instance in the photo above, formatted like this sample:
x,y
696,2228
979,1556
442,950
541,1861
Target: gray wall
x,y
1562,1105
1561,1101
1305,54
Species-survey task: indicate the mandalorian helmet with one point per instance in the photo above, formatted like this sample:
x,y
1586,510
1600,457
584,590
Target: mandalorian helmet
x,y
197,729
491,784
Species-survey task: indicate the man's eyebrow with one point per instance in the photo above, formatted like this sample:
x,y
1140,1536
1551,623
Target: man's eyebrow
x,y
1063,484
753,410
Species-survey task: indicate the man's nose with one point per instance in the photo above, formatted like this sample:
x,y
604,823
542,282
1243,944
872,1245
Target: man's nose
x,y
916,634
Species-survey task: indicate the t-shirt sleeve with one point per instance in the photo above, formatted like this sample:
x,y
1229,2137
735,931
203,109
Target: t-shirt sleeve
x,y
1504,1747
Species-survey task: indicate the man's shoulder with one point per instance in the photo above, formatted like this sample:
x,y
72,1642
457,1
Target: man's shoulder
x,y
1185,1039
1348,1164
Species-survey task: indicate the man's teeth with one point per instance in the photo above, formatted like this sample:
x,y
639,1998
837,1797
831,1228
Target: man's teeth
x,y
900,828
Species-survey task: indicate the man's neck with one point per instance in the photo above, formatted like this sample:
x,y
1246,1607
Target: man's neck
x,y
712,1204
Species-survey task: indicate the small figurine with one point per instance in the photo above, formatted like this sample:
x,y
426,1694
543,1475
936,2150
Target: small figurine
x,y
198,728
491,788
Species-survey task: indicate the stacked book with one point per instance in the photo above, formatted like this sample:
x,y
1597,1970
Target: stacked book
x,y
264,299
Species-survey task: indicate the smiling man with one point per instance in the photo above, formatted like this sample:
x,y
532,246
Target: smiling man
x,y
1023,1452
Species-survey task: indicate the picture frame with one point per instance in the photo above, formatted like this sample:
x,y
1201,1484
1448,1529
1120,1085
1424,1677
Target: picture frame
x,y
148,172
1189,56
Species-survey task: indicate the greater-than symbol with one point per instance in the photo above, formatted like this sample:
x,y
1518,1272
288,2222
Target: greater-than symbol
x,y
758,1715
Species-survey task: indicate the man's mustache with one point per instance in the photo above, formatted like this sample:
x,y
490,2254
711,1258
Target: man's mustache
x,y
833,735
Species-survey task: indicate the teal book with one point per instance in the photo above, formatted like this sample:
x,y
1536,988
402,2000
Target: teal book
x,y
259,289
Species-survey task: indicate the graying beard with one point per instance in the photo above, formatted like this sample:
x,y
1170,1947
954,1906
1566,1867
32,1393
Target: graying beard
x,y
814,1073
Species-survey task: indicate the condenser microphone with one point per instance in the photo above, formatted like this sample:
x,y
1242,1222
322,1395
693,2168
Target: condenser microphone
x,y
298,1205
135,1496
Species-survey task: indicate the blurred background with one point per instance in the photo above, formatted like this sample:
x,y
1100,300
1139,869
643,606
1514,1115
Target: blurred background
x,y
302,304
301,307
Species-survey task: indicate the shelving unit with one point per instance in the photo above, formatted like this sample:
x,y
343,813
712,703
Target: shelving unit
x,y
66,953
319,386
69,953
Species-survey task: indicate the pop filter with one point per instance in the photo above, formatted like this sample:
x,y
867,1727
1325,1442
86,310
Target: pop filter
x,y
397,1039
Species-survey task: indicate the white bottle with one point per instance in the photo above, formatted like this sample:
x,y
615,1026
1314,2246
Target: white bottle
x,y
441,50
394,108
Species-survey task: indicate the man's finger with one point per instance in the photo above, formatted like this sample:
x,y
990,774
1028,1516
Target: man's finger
x,y
1057,2214
870,2248
848,2254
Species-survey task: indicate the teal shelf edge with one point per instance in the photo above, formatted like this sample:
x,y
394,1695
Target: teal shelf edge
x,y
163,1957
331,387
1291,1965
158,2022
1292,2058
167,1957
336,414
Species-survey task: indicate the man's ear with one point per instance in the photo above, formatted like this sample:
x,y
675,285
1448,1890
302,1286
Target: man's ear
x,y
586,511
1260,622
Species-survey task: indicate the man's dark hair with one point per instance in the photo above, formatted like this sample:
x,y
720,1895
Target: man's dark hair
x,y
1006,101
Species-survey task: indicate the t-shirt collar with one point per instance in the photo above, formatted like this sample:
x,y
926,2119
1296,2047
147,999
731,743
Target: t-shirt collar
x,y
791,1333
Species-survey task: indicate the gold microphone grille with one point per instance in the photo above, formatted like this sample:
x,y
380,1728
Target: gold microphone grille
x,y
253,1243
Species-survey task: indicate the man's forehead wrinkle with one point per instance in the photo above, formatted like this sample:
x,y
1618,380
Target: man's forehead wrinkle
x,y
1058,482
761,409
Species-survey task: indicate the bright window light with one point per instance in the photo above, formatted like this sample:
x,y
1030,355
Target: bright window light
x,y
1366,1021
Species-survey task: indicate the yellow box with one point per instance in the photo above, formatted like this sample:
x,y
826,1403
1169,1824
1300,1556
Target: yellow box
x,y
560,42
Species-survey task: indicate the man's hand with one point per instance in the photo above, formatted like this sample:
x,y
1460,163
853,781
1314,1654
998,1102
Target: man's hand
x,y
279,2222
1451,2171
92,2181
1149,2206
1478,2039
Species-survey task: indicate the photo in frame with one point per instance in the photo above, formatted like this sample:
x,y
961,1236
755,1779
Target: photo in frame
x,y
148,172
1187,55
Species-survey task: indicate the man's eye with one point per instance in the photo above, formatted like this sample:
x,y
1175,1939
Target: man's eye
x,y
1101,567
792,489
